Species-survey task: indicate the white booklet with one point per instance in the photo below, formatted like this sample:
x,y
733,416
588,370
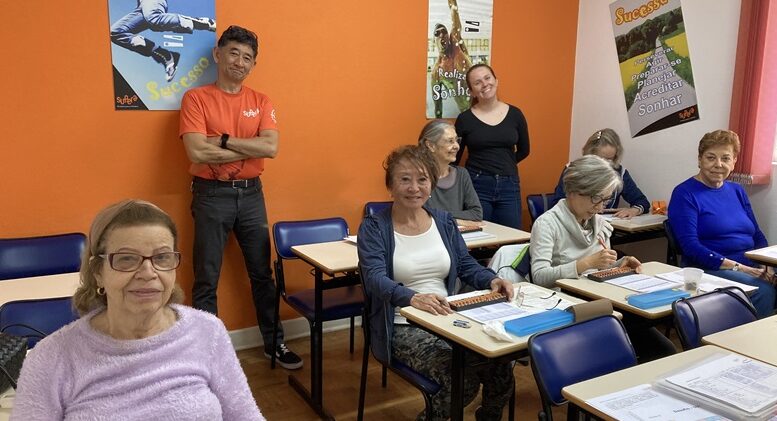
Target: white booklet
x,y
731,380
643,402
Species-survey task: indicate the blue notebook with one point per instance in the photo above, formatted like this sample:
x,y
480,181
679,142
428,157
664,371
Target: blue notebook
x,y
539,322
657,298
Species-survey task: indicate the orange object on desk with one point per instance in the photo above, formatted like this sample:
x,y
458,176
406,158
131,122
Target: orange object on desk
x,y
658,207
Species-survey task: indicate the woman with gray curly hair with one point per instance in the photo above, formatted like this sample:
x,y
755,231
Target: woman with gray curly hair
x,y
135,353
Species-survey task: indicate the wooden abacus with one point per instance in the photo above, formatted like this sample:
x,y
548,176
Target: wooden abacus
x,y
477,301
607,274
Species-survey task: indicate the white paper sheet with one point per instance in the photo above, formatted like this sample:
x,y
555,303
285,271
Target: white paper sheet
x,y
642,402
733,379
477,235
708,282
644,283
535,300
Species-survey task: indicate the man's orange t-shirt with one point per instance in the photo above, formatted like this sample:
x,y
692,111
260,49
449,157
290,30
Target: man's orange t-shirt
x,y
210,111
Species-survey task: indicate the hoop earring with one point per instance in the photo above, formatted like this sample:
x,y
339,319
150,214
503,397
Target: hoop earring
x,y
100,291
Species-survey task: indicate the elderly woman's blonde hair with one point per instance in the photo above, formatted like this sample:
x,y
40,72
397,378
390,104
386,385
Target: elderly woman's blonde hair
x,y
127,213
604,137
591,175
719,138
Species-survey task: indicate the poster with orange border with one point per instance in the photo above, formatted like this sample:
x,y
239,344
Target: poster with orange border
x,y
160,49
459,35
655,64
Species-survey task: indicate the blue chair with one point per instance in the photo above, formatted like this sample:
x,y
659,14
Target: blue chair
x,y
371,208
576,353
37,256
705,314
426,386
339,301
538,204
36,319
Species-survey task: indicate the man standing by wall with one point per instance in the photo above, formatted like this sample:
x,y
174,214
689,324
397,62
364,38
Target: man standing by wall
x,y
228,130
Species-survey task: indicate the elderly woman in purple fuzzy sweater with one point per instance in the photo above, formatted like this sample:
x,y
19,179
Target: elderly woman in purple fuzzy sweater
x,y
135,354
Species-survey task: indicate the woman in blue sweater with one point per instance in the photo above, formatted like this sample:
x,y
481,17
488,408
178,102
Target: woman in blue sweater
x,y
411,255
605,143
714,224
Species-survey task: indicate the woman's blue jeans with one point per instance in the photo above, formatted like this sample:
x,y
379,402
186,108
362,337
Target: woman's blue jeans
x,y
500,196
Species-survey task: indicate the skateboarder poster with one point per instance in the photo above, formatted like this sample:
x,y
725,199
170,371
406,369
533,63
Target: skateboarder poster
x,y
459,35
655,64
160,49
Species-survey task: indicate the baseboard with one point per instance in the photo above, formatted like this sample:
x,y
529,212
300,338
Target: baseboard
x,y
292,329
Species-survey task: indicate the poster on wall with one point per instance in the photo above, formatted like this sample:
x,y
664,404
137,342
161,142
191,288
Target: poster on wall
x,y
655,64
160,49
459,35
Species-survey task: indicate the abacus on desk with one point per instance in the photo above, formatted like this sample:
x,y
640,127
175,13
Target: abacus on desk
x,y
477,301
607,274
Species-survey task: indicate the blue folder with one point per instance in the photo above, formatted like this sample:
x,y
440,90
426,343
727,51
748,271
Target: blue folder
x,y
539,322
657,298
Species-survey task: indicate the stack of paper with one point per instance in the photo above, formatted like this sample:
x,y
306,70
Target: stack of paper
x,y
708,282
730,384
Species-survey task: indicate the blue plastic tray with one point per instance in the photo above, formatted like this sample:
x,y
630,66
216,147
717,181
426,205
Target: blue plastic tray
x,y
657,298
539,322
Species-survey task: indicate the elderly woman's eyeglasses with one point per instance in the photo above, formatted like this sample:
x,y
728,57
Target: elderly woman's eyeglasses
x,y
130,262
599,198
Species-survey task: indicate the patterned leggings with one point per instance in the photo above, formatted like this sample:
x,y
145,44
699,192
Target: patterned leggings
x,y
431,356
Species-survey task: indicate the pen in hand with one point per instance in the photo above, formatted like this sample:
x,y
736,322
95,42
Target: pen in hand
x,y
604,246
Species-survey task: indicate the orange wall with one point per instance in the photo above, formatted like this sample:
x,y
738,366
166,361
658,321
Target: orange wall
x,y
347,78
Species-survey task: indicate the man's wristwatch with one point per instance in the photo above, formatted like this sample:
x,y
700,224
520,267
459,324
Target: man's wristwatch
x,y
224,139
736,267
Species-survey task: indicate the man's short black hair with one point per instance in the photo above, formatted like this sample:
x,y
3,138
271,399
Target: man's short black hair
x,y
241,36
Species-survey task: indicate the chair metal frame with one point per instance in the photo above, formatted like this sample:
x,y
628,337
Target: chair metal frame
x,y
330,300
672,246
702,315
575,353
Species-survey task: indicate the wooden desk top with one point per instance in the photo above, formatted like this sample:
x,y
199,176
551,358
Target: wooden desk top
x,y
757,340
766,255
639,223
50,286
630,377
473,338
504,235
618,295
341,256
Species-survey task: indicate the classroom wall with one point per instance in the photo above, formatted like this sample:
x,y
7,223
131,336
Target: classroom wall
x,y
658,161
346,77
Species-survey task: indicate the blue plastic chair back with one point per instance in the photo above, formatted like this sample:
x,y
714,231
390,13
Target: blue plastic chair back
x,y
371,208
295,233
36,319
578,352
37,256
538,204
703,315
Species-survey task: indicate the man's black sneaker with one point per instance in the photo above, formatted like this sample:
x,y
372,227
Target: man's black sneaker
x,y
285,357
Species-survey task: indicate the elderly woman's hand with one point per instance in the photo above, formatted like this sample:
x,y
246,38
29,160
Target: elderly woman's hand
x,y
632,262
431,303
627,213
504,286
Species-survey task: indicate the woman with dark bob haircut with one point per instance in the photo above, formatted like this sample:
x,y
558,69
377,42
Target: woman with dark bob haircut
x,y
412,255
135,353
714,224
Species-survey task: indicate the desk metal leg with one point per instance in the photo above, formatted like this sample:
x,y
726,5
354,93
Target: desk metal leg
x,y
315,397
457,382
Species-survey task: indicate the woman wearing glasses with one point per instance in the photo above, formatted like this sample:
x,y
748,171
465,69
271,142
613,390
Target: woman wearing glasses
x,y
572,238
454,192
606,144
135,351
